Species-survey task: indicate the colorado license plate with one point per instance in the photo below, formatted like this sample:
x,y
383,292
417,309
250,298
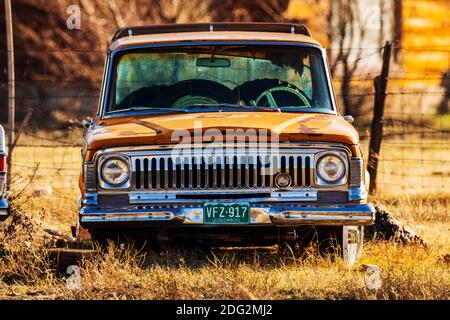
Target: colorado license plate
x,y
226,213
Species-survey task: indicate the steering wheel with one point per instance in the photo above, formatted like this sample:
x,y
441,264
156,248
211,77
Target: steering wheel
x,y
270,98
189,100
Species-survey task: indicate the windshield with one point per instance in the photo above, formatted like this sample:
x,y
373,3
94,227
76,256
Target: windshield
x,y
189,77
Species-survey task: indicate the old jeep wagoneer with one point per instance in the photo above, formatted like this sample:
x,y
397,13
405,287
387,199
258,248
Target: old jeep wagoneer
x,y
222,133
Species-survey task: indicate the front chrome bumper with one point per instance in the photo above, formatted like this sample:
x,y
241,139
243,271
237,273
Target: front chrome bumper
x,y
275,214
4,209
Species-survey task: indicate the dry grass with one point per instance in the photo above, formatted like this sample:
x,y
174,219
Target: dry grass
x,y
124,273
408,272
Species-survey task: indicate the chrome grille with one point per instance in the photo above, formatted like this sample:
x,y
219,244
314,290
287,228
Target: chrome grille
x,y
240,171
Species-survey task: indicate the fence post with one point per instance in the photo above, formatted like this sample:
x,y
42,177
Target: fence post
x,y
376,129
11,87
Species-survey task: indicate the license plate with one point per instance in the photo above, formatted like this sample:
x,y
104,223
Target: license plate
x,y
226,213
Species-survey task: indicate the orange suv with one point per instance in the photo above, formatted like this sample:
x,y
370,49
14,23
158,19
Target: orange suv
x,y
222,133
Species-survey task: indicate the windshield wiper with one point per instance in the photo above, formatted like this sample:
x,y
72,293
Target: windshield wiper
x,y
198,105
291,109
171,110
305,110
232,106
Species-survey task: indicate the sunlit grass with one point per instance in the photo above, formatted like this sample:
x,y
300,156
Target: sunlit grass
x,y
442,122
408,272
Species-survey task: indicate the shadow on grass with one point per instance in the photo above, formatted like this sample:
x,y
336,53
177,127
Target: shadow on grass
x,y
195,257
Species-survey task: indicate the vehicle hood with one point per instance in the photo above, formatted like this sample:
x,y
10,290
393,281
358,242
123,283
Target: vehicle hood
x,y
166,129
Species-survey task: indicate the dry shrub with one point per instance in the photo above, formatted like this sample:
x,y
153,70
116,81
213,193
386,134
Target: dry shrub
x,y
23,259
22,256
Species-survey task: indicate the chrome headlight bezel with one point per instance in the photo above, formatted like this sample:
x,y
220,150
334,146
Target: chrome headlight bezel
x,y
342,180
103,182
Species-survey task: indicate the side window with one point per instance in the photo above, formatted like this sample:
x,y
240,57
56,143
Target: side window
x,y
321,94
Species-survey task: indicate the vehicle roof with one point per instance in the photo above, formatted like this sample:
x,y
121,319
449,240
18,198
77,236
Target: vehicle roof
x,y
140,36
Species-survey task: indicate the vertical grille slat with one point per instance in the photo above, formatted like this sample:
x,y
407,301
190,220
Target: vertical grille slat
x,y
307,171
226,172
268,171
312,169
251,172
236,172
137,173
146,174
292,170
170,174
244,172
219,172
186,173
274,169
178,174
162,173
259,173
283,165
211,173
204,174
241,171
193,173
154,172
255,171
200,173
299,172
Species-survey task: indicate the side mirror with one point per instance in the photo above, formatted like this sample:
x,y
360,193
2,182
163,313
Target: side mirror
x,y
87,123
349,119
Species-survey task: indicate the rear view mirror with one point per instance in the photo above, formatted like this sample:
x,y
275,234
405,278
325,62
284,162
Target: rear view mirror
x,y
213,62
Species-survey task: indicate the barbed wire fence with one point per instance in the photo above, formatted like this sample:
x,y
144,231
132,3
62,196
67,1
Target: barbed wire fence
x,y
415,151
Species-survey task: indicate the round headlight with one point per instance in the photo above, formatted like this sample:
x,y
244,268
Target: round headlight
x,y
115,172
330,168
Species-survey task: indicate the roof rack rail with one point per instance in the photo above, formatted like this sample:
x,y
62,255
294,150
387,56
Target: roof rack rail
x,y
213,26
